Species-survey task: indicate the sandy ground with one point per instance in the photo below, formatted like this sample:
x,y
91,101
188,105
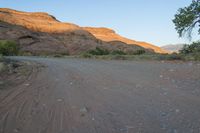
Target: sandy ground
x,y
96,96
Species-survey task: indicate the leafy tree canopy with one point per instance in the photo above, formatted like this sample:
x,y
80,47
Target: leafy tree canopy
x,y
188,18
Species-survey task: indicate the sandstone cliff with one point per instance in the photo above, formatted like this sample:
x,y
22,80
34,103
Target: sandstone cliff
x,y
108,35
42,33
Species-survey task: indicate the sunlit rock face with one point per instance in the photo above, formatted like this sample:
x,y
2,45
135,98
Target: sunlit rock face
x,y
106,34
40,32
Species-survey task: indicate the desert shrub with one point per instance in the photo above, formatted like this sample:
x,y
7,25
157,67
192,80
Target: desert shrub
x,y
119,57
86,55
138,52
1,58
193,48
173,56
197,57
8,48
118,52
58,55
191,52
62,54
25,53
98,51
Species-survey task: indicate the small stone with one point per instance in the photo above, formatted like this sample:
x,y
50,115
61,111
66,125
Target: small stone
x,y
59,100
163,114
164,126
161,76
123,129
18,78
105,88
138,86
71,83
16,130
83,111
173,81
175,131
73,107
26,84
165,93
93,119
177,110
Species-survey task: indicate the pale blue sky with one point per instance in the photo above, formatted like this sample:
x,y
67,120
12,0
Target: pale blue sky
x,y
145,20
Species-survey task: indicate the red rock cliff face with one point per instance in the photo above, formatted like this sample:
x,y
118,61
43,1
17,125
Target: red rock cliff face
x,y
39,21
108,35
76,36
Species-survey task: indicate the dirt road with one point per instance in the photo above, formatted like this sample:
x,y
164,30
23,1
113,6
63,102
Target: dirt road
x,y
95,96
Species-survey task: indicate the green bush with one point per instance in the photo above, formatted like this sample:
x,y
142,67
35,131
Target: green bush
x,y
86,55
118,52
173,56
193,48
138,52
191,52
60,55
8,48
119,57
98,51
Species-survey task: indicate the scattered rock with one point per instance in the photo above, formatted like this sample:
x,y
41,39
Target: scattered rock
x,y
175,131
165,93
27,84
73,107
164,126
105,88
83,111
177,110
163,114
59,100
138,86
56,79
16,130
173,81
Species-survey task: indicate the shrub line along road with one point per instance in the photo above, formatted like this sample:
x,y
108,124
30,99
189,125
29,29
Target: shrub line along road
x,y
96,96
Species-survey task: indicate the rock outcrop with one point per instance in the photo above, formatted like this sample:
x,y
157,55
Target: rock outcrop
x,y
41,33
108,35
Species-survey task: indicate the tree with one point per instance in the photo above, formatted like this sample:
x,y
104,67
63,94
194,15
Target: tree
x,y
188,18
